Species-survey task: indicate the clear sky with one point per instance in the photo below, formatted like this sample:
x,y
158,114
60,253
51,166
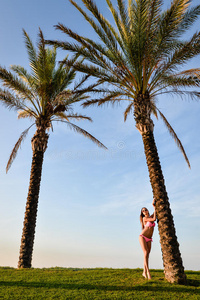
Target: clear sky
x,y
90,199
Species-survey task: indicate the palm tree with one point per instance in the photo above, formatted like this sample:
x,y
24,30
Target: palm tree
x,y
137,59
41,96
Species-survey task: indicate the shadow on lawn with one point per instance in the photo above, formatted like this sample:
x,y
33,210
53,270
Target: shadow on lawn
x,y
147,287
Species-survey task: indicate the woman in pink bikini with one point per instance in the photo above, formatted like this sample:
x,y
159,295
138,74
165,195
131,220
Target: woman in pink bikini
x,y
145,237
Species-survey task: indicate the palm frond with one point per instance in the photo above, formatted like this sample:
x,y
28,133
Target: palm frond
x,y
31,52
153,11
194,73
97,54
69,62
27,78
46,69
79,117
14,83
42,53
175,137
154,111
188,19
194,95
121,35
104,32
124,14
179,81
83,79
23,73
168,32
10,101
172,18
112,97
60,81
128,110
125,37
73,47
60,116
139,35
83,132
74,116
16,148
183,54
28,113
105,74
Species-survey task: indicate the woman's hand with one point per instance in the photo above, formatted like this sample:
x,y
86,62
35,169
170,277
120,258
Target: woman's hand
x,y
154,202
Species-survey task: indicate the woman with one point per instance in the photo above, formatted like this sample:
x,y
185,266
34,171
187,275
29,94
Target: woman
x,y
145,237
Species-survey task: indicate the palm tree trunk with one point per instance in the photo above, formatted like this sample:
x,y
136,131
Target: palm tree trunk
x,y
172,261
39,145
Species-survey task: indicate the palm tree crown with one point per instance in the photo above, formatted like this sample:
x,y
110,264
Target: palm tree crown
x,y
42,94
141,55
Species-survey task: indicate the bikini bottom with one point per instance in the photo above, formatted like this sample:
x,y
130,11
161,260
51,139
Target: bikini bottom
x,y
146,239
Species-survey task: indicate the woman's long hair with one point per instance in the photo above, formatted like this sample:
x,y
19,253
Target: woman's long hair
x,y
141,217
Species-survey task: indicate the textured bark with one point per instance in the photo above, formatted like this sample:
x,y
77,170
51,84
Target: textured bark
x,y
142,113
39,145
172,261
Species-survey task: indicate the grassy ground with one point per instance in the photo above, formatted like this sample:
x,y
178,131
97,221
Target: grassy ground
x,y
60,283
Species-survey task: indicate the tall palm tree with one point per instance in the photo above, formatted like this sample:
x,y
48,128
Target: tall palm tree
x,y
137,59
40,95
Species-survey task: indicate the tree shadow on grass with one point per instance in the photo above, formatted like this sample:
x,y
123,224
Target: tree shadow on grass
x,y
193,282
150,286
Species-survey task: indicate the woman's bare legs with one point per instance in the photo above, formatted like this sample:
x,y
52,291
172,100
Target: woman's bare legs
x,y
146,247
149,250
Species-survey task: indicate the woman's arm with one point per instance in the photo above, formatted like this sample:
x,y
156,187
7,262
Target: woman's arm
x,y
152,218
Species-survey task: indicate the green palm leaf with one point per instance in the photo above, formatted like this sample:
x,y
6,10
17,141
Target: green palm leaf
x,y
31,52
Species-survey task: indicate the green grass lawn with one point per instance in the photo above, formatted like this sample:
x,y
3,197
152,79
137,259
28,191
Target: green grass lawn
x,y
61,283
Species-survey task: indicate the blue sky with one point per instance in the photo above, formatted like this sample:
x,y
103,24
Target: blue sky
x,y
90,199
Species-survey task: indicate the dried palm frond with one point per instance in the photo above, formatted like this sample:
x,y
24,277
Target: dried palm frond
x,y
83,132
128,110
175,137
16,148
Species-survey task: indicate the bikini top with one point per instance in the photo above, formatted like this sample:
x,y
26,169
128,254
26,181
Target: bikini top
x,y
149,224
